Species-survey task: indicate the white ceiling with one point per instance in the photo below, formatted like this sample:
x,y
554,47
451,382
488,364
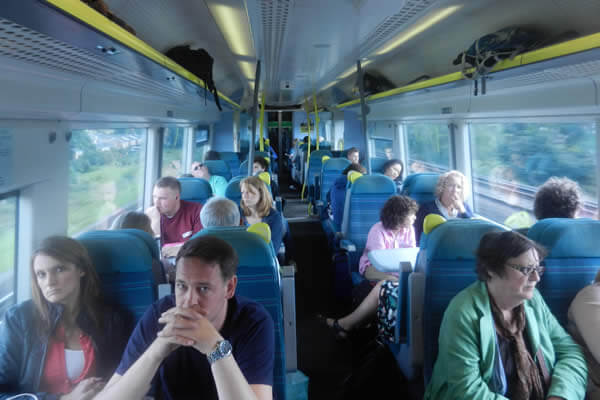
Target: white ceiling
x,y
311,42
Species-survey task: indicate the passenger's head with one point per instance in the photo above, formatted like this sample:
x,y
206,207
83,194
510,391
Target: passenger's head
x,y
398,212
255,196
212,155
136,220
200,170
62,273
506,260
389,154
557,198
219,211
393,169
354,167
353,155
259,165
205,277
450,186
166,195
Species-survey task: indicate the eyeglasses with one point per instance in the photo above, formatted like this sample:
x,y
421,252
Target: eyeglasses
x,y
527,270
198,166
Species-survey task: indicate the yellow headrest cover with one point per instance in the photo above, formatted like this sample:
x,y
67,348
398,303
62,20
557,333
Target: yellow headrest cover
x,y
267,141
353,176
268,159
431,221
325,158
265,177
262,230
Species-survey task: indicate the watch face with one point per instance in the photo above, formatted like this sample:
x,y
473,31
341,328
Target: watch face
x,y
225,348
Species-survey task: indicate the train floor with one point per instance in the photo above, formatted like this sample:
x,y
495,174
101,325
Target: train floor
x,y
356,367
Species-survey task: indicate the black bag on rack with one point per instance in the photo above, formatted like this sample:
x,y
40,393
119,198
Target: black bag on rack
x,y
199,63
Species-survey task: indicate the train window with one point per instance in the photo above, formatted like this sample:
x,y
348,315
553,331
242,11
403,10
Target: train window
x,y
383,148
172,151
200,143
510,160
8,234
106,176
428,147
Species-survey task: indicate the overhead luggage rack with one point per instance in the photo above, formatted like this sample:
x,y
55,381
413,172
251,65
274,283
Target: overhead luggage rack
x,y
69,36
575,58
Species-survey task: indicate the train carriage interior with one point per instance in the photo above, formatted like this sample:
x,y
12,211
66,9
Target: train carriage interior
x,y
93,112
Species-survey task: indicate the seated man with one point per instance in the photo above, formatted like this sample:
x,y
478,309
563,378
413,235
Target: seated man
x,y
218,184
204,340
557,198
175,220
219,211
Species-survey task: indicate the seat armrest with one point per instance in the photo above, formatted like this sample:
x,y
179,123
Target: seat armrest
x,y
288,295
416,296
347,245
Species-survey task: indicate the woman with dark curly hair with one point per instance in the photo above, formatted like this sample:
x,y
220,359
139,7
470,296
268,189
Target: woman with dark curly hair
x,y
557,198
394,230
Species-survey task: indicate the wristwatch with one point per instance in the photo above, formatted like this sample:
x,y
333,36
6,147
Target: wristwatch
x,y
222,350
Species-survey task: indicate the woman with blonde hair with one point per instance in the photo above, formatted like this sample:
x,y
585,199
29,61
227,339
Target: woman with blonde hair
x,y
64,342
257,206
450,195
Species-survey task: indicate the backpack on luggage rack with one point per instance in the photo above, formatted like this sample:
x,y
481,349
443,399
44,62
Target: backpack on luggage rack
x,y
481,57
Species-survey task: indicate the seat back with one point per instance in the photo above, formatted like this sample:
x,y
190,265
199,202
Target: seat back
x,y
572,262
258,279
195,189
449,268
232,160
233,191
377,164
420,187
364,200
330,171
314,165
123,260
218,167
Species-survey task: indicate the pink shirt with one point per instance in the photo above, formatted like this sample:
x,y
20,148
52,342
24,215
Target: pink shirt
x,y
379,238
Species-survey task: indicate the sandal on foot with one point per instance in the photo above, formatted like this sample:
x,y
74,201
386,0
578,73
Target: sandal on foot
x,y
339,331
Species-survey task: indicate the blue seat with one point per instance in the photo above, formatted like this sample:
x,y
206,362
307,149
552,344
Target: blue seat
x,y
572,262
232,159
195,189
124,264
377,164
448,266
258,279
218,167
233,192
364,200
330,171
420,187
314,170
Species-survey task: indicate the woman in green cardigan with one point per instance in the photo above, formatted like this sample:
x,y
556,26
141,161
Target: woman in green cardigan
x,y
498,339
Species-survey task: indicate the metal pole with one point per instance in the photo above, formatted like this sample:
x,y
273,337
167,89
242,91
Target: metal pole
x,y
364,111
280,144
254,108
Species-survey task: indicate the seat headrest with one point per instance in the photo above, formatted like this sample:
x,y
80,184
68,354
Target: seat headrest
x,y
457,239
567,237
251,248
117,251
261,229
373,184
335,164
420,183
325,158
353,176
195,189
265,177
431,221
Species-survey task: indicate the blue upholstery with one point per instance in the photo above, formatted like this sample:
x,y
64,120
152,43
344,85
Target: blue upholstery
x,y
233,192
420,187
572,262
195,189
218,167
147,239
449,268
244,168
377,164
124,264
258,279
314,167
364,200
232,160
330,171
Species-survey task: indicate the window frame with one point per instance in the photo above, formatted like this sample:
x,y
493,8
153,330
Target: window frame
x,y
16,195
